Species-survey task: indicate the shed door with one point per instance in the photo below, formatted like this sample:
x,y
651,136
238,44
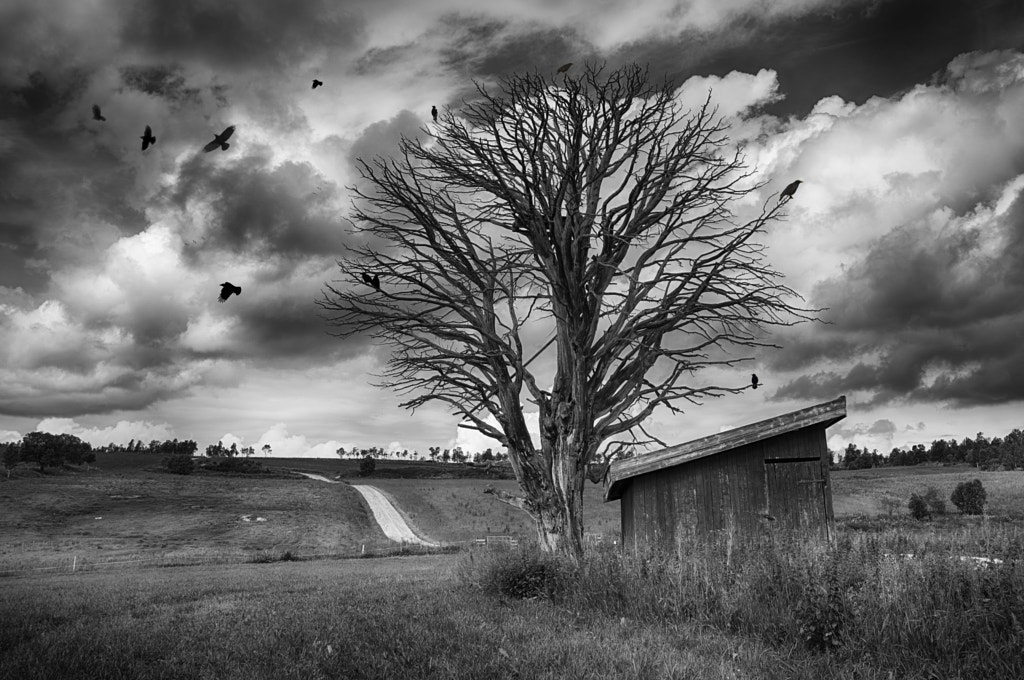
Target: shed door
x,y
796,494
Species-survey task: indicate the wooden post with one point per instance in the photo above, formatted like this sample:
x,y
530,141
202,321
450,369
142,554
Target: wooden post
x,y
74,563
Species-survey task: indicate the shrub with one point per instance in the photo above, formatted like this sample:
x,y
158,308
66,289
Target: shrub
x,y
936,505
366,466
179,463
918,507
523,573
969,497
234,465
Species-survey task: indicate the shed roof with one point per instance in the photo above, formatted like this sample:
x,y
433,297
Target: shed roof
x,y
820,414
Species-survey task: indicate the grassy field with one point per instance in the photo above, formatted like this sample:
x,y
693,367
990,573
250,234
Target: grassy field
x,y
730,615
862,492
125,507
380,618
128,509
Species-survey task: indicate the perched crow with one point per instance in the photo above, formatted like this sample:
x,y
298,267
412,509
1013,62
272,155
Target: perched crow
x,y
753,380
317,83
147,138
371,280
564,68
220,140
433,112
790,189
226,289
96,115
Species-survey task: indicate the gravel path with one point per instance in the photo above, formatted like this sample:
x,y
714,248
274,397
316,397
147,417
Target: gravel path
x,y
387,516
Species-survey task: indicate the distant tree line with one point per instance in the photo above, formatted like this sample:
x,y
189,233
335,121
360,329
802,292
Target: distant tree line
x,y
987,454
169,447
218,450
436,454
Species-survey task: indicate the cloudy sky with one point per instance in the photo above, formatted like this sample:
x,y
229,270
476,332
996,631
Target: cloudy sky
x,y
904,118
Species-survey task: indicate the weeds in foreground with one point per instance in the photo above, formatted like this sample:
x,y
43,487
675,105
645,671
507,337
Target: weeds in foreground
x,y
906,602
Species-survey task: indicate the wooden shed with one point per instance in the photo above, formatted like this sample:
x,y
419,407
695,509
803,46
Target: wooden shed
x,y
768,475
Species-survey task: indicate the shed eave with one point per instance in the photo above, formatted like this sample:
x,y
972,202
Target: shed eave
x,y
621,471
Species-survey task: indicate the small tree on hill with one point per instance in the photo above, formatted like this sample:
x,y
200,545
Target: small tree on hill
x,y
51,450
918,507
969,497
936,505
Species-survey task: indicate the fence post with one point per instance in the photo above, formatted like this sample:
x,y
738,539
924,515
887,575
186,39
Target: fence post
x,y
363,551
74,563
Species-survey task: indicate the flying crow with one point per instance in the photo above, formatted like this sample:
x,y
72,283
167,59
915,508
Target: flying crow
x,y
371,280
753,380
96,115
433,112
790,189
226,289
220,140
317,83
148,138
565,68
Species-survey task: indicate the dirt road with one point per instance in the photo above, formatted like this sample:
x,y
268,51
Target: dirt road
x,y
388,517
390,520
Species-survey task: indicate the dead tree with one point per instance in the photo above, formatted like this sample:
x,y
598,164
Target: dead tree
x,y
593,208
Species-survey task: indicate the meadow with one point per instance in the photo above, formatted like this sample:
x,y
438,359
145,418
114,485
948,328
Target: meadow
x,y
382,618
724,611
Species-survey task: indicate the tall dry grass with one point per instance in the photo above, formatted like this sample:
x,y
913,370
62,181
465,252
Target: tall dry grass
x,y
860,598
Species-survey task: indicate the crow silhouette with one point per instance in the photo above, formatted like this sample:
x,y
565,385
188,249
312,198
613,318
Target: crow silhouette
x,y
220,140
565,68
147,138
790,189
371,280
226,289
433,112
317,83
96,115
754,381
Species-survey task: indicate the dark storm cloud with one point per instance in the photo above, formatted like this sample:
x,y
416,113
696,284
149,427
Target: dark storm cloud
x,y
167,82
485,47
130,392
262,209
240,34
862,49
924,302
55,170
381,138
287,329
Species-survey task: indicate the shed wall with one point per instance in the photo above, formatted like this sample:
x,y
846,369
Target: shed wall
x,y
784,477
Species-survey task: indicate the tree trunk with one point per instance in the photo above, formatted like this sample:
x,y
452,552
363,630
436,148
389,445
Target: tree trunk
x,y
560,524
559,516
